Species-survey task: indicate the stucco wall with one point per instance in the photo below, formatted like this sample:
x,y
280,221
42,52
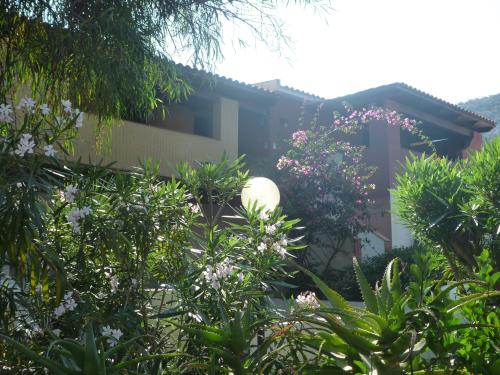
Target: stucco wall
x,y
132,142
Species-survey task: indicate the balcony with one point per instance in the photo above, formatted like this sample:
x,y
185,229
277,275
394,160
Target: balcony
x,y
133,142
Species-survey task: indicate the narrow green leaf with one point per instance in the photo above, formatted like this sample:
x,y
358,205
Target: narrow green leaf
x,y
368,295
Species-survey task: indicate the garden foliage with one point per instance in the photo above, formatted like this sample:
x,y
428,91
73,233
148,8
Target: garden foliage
x,y
123,272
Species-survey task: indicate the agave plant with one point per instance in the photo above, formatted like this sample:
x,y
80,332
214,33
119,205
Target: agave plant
x,y
391,332
239,345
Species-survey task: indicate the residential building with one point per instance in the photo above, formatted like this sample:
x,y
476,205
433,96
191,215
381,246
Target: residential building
x,y
224,115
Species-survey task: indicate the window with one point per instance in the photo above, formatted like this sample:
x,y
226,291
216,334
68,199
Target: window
x,y
203,126
194,116
203,122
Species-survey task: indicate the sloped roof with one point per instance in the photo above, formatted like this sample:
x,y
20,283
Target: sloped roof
x,y
202,77
267,91
406,94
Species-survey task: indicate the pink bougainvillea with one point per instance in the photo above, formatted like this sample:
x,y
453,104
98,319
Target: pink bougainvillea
x,y
324,179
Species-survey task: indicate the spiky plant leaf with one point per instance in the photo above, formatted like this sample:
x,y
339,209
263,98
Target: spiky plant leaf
x,y
369,297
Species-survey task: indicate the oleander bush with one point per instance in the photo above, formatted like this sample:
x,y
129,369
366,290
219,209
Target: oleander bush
x,y
454,205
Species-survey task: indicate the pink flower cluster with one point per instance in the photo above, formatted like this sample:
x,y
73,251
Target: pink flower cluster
x,y
283,162
294,165
354,118
299,138
391,117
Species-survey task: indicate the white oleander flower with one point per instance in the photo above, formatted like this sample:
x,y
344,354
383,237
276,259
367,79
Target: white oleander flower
x,y
69,193
49,150
213,275
44,108
263,216
106,330
86,210
27,103
6,113
224,269
279,249
194,208
75,215
59,311
262,247
113,280
113,335
25,145
215,284
270,229
284,241
66,106
36,330
70,304
307,300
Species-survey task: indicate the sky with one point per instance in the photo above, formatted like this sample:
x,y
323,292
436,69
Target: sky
x,y
448,48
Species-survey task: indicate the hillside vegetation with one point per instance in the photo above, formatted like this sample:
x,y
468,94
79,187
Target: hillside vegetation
x,y
488,106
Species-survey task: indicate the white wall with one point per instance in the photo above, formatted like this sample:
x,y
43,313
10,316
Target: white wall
x,y
371,244
401,235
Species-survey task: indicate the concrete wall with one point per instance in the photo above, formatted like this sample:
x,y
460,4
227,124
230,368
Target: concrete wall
x,y
132,142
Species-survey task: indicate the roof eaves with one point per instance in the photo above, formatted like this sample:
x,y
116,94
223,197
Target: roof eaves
x,y
283,89
446,103
229,81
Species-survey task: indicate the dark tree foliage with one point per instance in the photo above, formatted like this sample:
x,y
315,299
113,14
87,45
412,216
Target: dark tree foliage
x,y
114,58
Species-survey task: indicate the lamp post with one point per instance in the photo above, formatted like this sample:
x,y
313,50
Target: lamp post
x,y
260,191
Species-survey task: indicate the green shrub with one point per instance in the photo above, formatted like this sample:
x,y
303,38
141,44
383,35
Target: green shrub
x,y
454,205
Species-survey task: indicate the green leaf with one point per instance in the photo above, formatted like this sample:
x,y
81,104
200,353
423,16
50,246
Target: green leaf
x,y
369,296
92,360
472,298
352,338
53,366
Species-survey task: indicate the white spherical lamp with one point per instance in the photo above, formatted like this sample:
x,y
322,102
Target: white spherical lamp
x,y
260,191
